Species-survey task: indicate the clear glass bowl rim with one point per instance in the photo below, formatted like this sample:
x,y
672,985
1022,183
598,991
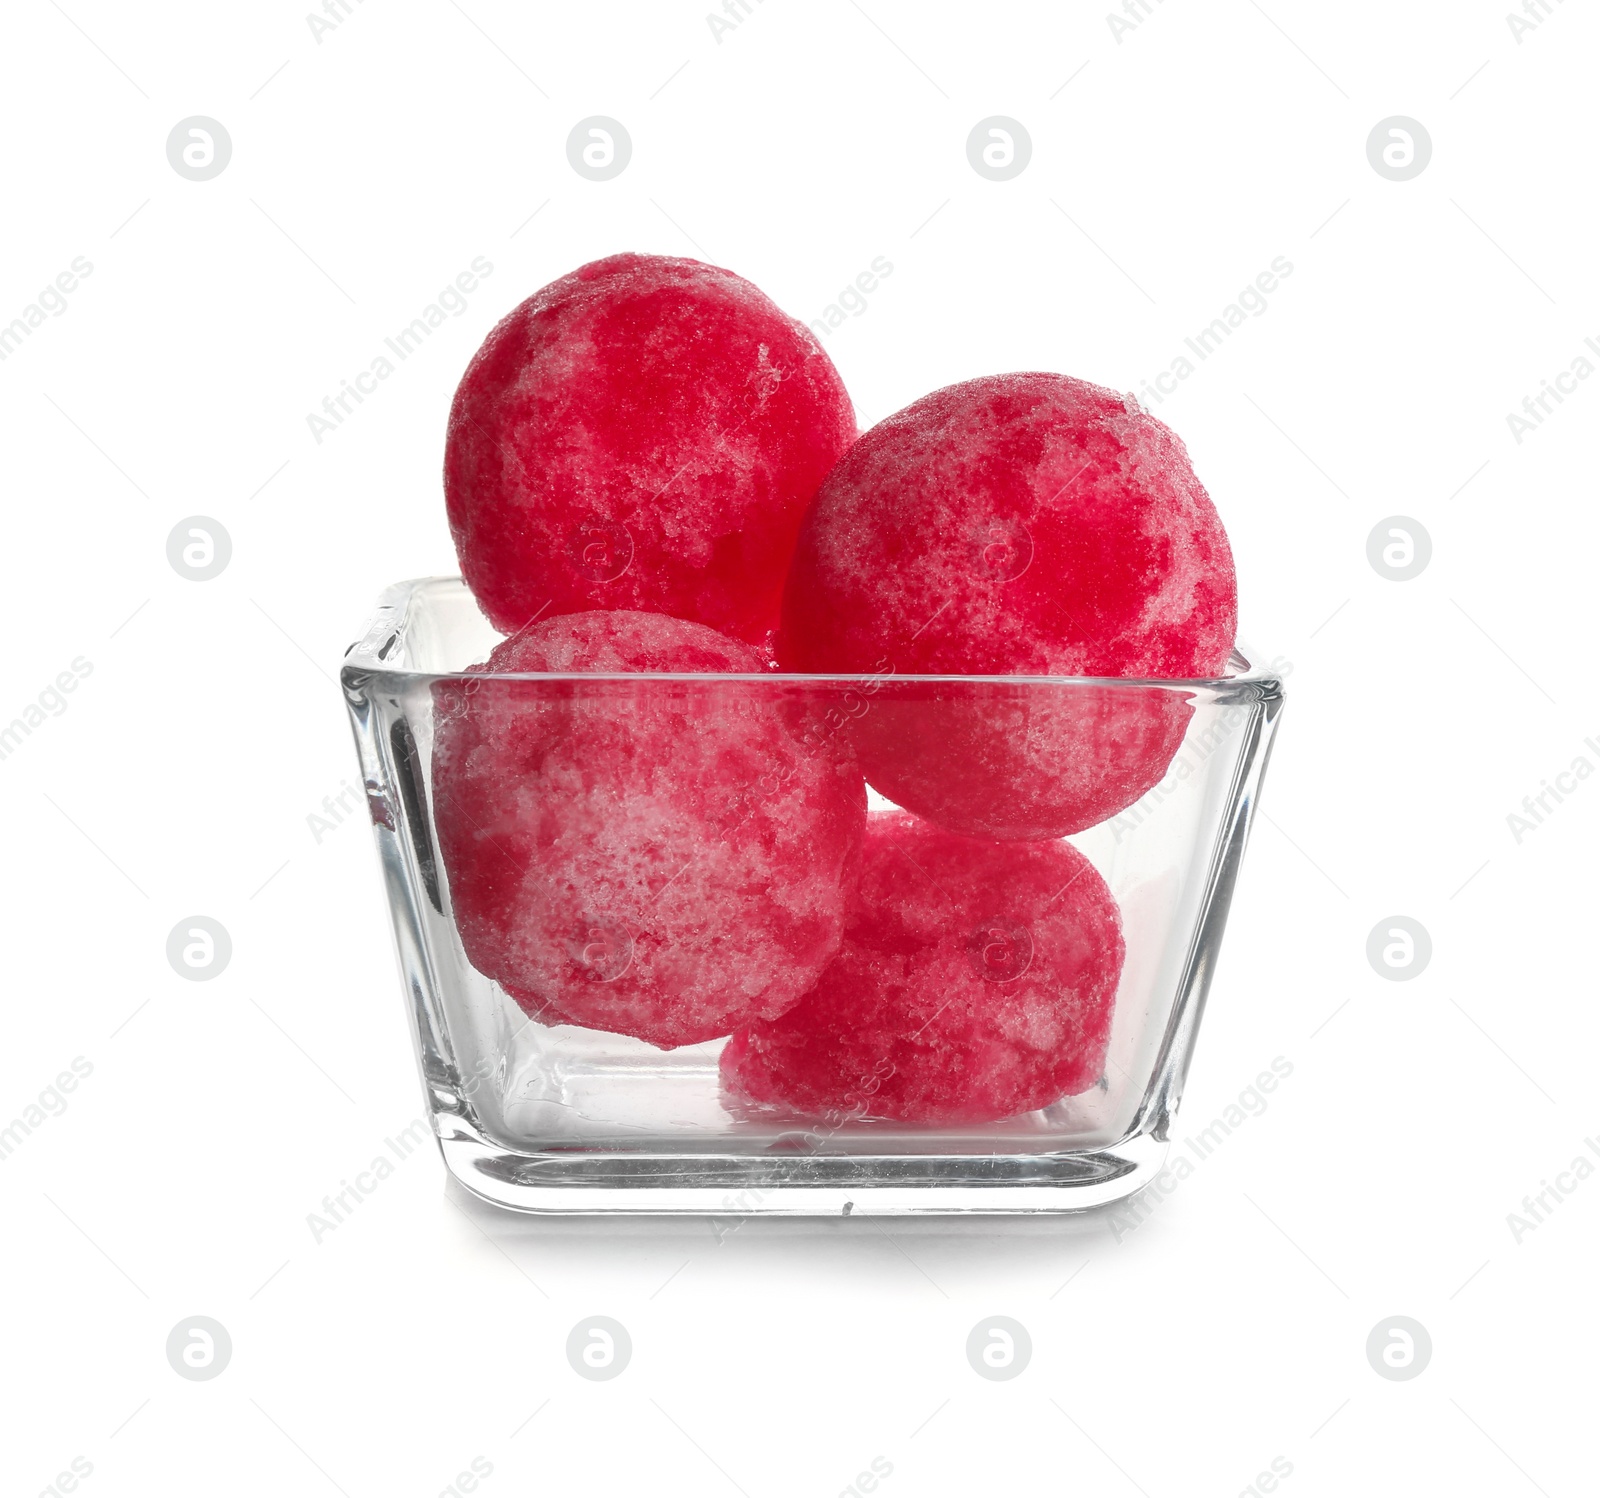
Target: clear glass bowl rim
x,y
363,657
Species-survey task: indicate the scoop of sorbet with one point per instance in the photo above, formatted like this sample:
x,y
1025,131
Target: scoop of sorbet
x,y
660,859
644,433
976,981
1025,524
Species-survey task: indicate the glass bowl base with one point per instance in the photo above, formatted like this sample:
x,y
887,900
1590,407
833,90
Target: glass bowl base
x,y
793,1182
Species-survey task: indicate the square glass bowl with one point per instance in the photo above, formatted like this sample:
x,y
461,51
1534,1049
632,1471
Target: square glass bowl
x,y
560,1118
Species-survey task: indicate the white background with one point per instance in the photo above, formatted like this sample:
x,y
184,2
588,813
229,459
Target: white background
x,y
371,167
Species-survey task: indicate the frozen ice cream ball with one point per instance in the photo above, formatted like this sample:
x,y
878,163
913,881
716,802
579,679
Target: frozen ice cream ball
x,y
975,981
644,433
665,860
1015,525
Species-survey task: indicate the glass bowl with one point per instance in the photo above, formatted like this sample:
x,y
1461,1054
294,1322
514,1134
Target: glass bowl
x,y
557,1117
